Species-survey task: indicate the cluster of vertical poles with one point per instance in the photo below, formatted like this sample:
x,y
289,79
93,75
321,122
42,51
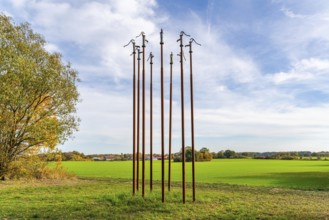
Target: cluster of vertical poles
x,y
136,117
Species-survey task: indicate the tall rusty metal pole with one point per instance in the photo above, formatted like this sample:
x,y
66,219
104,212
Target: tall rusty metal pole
x,y
138,113
143,122
138,116
134,114
134,118
192,123
182,112
192,116
162,122
151,121
170,123
143,115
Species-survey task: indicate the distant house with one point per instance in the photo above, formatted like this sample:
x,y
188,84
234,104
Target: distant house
x,y
112,157
153,158
97,158
165,157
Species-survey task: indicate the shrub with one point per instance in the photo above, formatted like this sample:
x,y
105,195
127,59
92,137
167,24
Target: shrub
x,y
33,168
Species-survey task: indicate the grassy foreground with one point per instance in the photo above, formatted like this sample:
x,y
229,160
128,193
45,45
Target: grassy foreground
x,y
111,199
307,175
226,189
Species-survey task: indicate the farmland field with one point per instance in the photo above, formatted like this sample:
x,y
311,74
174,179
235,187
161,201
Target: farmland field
x,y
300,174
226,189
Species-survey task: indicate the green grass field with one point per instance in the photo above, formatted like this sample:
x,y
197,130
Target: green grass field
x,y
226,189
112,199
274,173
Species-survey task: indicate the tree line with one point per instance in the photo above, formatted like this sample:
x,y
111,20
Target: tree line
x,y
204,154
287,155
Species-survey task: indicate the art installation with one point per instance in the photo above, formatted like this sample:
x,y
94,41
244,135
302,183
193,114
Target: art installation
x,y
136,116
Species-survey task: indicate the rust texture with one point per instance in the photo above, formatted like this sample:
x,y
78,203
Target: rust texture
x,y
170,123
162,121
151,121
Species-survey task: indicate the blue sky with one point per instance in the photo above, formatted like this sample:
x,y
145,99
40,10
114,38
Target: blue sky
x,y
261,75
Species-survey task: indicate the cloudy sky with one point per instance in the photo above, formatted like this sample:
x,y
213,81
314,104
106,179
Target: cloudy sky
x,y
261,76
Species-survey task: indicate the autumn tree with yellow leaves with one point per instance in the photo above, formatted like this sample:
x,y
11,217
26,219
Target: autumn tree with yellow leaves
x,y
38,95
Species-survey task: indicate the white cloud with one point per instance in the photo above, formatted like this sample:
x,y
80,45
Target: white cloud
x,y
99,27
291,14
306,70
18,3
52,48
303,33
7,13
261,130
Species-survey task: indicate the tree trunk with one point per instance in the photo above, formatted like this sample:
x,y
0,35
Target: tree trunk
x,y
3,170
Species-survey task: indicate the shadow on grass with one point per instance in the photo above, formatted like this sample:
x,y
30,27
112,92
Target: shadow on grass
x,y
322,165
318,181
296,180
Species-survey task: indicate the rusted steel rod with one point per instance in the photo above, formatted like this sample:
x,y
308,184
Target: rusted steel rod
x,y
151,121
192,116
162,121
138,114
134,119
136,128
192,124
134,114
143,123
182,113
143,113
170,123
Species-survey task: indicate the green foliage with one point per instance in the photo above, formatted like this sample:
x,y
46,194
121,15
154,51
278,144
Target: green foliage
x,y
229,153
220,154
202,155
73,156
188,154
65,156
38,94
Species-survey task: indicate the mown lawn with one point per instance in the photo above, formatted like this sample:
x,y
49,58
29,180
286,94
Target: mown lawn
x,y
298,174
106,198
